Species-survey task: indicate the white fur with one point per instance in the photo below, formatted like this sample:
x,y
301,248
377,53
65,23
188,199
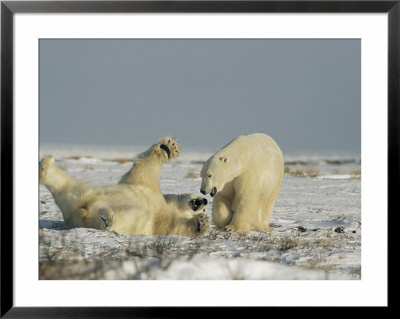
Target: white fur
x,y
247,174
135,205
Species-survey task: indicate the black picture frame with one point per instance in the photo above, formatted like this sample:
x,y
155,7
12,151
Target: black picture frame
x,y
9,8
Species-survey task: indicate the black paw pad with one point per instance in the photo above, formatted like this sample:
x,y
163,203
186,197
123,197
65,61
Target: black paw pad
x,y
166,149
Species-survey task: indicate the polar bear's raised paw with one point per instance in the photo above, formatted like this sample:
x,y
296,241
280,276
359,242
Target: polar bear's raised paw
x,y
168,148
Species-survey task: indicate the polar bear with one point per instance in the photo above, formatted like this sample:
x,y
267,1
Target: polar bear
x,y
245,176
135,205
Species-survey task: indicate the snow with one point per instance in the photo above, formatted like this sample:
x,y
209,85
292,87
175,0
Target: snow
x,y
316,226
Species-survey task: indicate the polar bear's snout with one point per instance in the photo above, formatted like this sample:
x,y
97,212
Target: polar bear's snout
x,y
212,192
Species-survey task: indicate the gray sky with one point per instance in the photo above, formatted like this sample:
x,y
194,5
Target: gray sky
x,y
306,94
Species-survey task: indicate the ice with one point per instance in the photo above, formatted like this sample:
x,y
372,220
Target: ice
x,y
316,226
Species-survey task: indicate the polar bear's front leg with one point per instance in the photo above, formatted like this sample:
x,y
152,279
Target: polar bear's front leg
x,y
147,166
198,225
166,149
201,225
222,211
244,215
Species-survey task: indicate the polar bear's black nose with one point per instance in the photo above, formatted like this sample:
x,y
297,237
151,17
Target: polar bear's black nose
x,y
202,191
205,201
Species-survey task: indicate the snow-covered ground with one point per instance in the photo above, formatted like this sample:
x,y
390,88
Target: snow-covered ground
x,y
316,225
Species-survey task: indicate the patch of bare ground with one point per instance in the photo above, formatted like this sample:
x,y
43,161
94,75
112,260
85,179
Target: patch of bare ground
x,y
76,157
122,160
192,174
356,174
308,172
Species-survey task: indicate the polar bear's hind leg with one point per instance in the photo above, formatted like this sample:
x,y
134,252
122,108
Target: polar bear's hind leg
x,y
56,179
44,165
221,211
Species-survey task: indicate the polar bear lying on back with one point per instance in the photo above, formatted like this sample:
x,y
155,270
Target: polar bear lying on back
x,y
135,205
245,177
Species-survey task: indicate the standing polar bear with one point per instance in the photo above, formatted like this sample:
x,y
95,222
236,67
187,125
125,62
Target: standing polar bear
x,y
135,205
245,177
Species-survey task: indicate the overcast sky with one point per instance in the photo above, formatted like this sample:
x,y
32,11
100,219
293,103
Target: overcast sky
x,y
306,94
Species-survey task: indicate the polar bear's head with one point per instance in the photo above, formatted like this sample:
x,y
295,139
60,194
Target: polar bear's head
x,y
216,172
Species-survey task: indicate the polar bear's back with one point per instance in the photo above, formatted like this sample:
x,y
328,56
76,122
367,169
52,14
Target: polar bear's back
x,y
267,146
259,143
265,141
267,157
